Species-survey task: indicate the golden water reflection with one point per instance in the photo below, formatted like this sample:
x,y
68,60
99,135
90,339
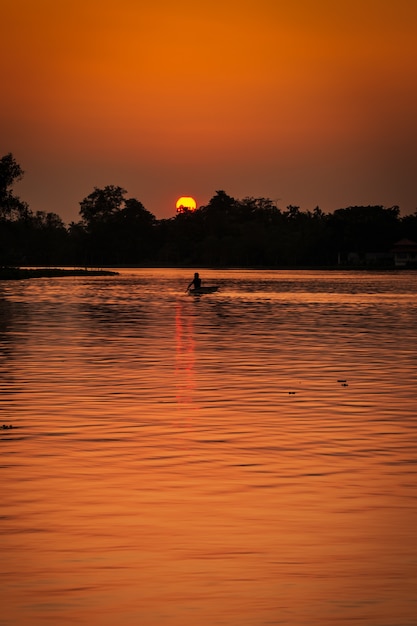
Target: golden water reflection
x,y
247,458
185,355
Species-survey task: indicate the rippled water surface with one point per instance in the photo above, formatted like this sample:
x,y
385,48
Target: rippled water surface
x,y
244,458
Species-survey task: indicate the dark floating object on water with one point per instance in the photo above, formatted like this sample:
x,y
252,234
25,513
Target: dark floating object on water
x,y
6,427
341,380
345,385
291,393
201,290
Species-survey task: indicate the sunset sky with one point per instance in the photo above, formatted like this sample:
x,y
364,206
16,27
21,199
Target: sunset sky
x,y
306,103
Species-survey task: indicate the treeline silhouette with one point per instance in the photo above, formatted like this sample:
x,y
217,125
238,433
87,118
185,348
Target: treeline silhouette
x,y
253,232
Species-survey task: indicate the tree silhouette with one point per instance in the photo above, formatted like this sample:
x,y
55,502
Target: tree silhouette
x,y
101,204
11,207
251,232
362,229
408,227
116,230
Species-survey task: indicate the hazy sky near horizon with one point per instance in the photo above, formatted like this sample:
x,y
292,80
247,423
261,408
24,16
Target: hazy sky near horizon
x,y
306,103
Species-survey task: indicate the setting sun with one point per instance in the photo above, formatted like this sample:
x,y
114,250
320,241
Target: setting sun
x,y
185,203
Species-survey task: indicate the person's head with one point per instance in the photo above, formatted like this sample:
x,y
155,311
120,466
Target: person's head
x,y
196,275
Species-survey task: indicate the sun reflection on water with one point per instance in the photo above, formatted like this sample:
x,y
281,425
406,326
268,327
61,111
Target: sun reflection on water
x,y
184,356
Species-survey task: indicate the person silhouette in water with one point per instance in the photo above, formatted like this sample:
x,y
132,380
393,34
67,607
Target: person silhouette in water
x,y
196,282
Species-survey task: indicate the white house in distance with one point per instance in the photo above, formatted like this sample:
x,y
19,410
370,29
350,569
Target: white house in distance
x,y
404,253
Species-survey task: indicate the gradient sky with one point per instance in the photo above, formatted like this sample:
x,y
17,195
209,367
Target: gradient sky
x,y
306,103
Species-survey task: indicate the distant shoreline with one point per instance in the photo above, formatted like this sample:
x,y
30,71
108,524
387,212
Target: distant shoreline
x,y
17,273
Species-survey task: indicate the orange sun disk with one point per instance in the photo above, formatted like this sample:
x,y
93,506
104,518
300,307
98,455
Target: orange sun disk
x,y
185,203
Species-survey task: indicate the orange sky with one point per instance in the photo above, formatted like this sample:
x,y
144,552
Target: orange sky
x,y
307,103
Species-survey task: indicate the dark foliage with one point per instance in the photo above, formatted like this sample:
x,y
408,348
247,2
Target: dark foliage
x,y
252,232
114,230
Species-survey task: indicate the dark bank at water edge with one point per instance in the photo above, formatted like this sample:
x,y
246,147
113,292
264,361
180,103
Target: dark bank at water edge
x,y
16,273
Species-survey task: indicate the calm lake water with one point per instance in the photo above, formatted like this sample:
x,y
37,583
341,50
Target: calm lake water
x,y
245,458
